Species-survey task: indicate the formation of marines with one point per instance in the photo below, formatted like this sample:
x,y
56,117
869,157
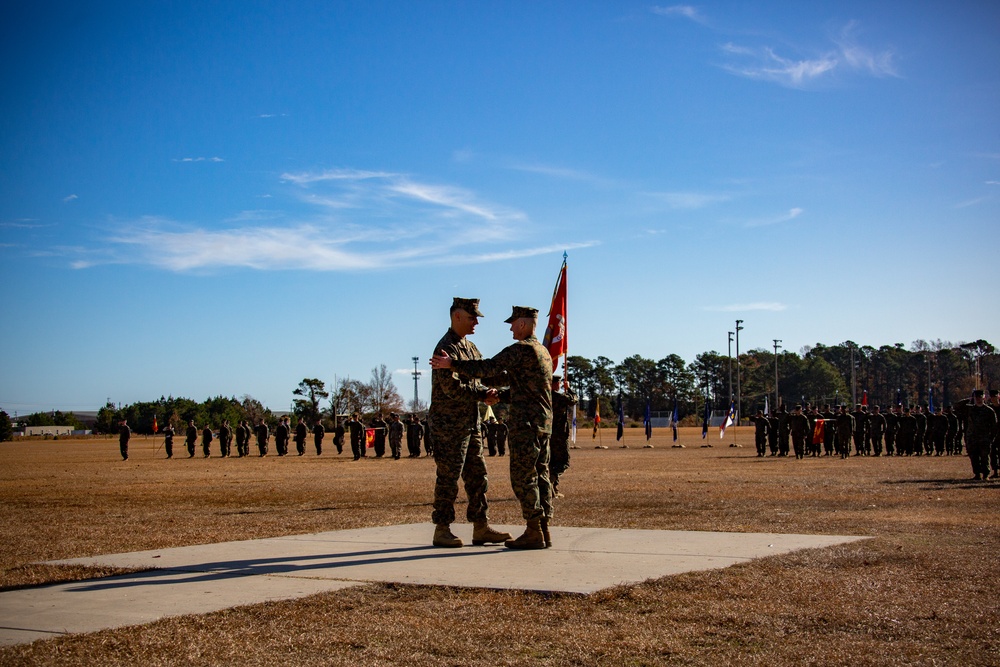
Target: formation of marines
x,y
902,431
245,433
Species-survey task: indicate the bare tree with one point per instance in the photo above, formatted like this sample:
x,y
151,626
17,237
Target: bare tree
x,y
385,396
351,396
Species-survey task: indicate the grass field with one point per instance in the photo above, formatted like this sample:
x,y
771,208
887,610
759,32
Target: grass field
x,y
924,591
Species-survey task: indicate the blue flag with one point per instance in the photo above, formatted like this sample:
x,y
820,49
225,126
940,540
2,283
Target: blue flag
x,y
673,419
648,423
704,423
930,399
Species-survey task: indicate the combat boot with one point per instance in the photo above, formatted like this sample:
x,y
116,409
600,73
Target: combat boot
x,y
545,531
532,537
443,536
482,534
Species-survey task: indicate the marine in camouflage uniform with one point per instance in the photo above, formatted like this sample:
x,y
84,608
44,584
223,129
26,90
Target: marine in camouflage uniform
x,y
877,425
891,426
529,370
760,432
829,430
845,429
952,438
458,442
995,447
798,427
918,439
562,403
906,433
980,430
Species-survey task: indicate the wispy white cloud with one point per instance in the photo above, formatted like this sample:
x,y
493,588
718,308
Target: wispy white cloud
x,y
271,115
25,223
684,11
858,57
689,200
772,306
992,182
359,221
70,198
563,173
844,54
766,65
199,159
791,215
972,202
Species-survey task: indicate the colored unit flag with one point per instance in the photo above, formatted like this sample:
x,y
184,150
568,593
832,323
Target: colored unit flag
x,y
704,421
864,397
730,420
155,427
369,438
597,415
819,432
621,419
767,408
648,423
572,435
555,333
489,414
899,397
930,400
673,419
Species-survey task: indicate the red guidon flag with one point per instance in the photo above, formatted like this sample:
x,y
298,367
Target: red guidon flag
x,y
819,432
555,332
155,427
369,438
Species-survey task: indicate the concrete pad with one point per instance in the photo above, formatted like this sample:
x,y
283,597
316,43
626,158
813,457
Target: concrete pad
x,y
86,606
203,578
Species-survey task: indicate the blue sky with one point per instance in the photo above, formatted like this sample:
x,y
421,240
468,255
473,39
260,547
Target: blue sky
x,y
225,198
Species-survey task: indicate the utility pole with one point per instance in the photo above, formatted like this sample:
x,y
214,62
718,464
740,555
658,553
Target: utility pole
x,y
776,394
739,406
416,376
729,352
854,385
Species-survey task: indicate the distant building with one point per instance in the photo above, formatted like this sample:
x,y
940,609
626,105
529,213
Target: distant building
x,y
48,430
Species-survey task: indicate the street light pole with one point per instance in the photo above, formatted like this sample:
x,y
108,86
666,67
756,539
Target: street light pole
x,y
416,376
729,352
739,405
776,394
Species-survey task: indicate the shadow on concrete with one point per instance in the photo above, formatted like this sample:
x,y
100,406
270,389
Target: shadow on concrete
x,y
289,565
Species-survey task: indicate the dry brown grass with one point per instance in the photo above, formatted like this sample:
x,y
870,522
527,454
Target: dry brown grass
x,y
922,592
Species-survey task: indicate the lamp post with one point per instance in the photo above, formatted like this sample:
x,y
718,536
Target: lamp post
x,y
416,376
777,400
739,410
729,352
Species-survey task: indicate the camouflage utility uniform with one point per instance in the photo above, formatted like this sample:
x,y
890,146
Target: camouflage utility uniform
x,y
458,441
980,429
562,403
529,369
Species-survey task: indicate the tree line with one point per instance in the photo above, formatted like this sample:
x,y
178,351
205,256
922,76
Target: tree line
x,y
819,374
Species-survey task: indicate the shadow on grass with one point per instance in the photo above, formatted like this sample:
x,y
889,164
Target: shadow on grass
x,y
960,483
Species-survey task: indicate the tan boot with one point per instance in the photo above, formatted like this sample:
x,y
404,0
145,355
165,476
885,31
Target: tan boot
x,y
544,525
532,537
443,537
482,533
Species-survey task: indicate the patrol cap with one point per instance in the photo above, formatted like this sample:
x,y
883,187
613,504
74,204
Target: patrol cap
x,y
471,306
994,392
517,312
978,392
